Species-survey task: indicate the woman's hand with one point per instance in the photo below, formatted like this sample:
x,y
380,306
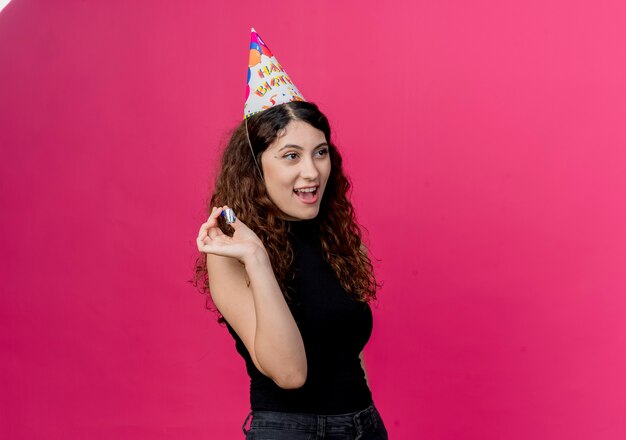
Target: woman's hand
x,y
243,244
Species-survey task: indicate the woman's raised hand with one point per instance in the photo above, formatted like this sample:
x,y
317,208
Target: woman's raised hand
x,y
241,245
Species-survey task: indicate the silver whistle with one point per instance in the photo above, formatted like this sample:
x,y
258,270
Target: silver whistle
x,y
229,215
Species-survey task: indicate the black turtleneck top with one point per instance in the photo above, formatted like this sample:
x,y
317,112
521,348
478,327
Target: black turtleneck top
x,y
334,329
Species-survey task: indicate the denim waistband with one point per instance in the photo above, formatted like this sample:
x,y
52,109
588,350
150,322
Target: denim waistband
x,y
359,421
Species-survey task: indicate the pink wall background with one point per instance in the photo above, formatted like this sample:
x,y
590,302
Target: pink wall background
x,y
485,141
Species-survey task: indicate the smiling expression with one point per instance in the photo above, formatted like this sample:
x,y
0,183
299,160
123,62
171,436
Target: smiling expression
x,y
295,163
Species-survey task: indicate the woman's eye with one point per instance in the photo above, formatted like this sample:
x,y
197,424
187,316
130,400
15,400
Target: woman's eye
x,y
293,156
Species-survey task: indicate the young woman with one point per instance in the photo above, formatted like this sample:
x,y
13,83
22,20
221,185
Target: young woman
x,y
291,278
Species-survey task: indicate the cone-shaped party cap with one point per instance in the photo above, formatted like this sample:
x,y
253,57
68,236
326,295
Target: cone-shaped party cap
x,y
268,83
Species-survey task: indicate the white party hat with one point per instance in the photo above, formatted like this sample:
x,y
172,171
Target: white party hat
x,y
268,82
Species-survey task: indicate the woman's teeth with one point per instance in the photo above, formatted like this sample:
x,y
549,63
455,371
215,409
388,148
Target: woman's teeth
x,y
308,194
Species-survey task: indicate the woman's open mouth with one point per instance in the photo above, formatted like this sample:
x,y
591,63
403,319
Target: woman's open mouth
x,y
307,195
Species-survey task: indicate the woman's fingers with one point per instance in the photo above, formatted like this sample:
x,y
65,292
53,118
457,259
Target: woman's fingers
x,y
209,229
206,225
211,239
214,230
218,245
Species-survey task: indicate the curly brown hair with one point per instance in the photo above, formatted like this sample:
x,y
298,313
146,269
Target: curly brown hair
x,y
239,186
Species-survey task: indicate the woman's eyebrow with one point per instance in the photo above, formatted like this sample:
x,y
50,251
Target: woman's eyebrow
x,y
298,147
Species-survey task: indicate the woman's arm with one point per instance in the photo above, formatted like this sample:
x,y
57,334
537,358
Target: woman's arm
x,y
363,367
245,290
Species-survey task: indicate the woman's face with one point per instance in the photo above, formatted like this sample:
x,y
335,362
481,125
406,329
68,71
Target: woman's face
x,y
297,159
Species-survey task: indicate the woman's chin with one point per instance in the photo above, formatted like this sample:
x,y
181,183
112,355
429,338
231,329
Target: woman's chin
x,y
301,214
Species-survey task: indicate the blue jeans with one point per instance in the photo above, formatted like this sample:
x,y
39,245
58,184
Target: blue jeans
x,y
272,425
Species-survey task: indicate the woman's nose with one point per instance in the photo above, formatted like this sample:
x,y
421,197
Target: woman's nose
x,y
309,169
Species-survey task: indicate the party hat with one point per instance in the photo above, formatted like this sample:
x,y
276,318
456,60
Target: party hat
x,y
268,82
